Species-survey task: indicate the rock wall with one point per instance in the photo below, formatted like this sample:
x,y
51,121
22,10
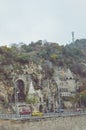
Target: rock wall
x,y
61,123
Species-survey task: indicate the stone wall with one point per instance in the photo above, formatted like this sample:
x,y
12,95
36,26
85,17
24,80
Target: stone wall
x,y
61,123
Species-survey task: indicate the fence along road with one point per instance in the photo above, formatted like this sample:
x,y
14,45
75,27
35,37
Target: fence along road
x,y
46,115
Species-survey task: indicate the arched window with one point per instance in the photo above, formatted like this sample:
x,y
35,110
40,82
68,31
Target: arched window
x,y
20,90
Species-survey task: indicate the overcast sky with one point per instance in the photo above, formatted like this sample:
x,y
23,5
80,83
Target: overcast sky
x,y
51,20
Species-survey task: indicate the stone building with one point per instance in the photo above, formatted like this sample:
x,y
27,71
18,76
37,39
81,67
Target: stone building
x,y
65,82
64,85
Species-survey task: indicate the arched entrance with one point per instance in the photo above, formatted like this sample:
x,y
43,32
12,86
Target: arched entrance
x,y
19,90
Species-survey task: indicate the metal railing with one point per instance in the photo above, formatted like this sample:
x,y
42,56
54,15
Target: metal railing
x,y
46,115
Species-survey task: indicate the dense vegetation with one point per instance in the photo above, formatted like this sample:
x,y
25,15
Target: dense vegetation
x,y
72,55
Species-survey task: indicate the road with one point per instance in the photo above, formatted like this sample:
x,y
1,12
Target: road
x,y
46,115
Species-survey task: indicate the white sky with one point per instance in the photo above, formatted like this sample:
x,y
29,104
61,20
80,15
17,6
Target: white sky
x,y
51,20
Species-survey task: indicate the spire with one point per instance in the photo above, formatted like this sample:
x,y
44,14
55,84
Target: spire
x,y
31,88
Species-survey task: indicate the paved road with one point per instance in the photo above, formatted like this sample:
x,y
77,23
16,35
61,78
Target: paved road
x,y
46,115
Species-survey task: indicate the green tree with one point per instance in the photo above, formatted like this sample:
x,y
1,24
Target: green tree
x,y
23,58
32,99
54,58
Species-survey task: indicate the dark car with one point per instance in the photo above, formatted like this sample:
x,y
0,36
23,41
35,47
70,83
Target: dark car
x,y
59,111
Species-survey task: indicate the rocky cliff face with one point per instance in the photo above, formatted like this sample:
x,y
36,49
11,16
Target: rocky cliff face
x,y
45,77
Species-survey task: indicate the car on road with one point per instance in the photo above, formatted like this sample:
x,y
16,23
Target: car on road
x,y
79,109
37,113
59,111
24,111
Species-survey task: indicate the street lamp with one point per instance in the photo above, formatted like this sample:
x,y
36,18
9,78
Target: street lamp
x,y
80,100
59,97
49,96
16,98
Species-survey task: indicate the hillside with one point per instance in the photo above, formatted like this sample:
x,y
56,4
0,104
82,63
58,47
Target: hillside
x,y
72,56
40,61
76,57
